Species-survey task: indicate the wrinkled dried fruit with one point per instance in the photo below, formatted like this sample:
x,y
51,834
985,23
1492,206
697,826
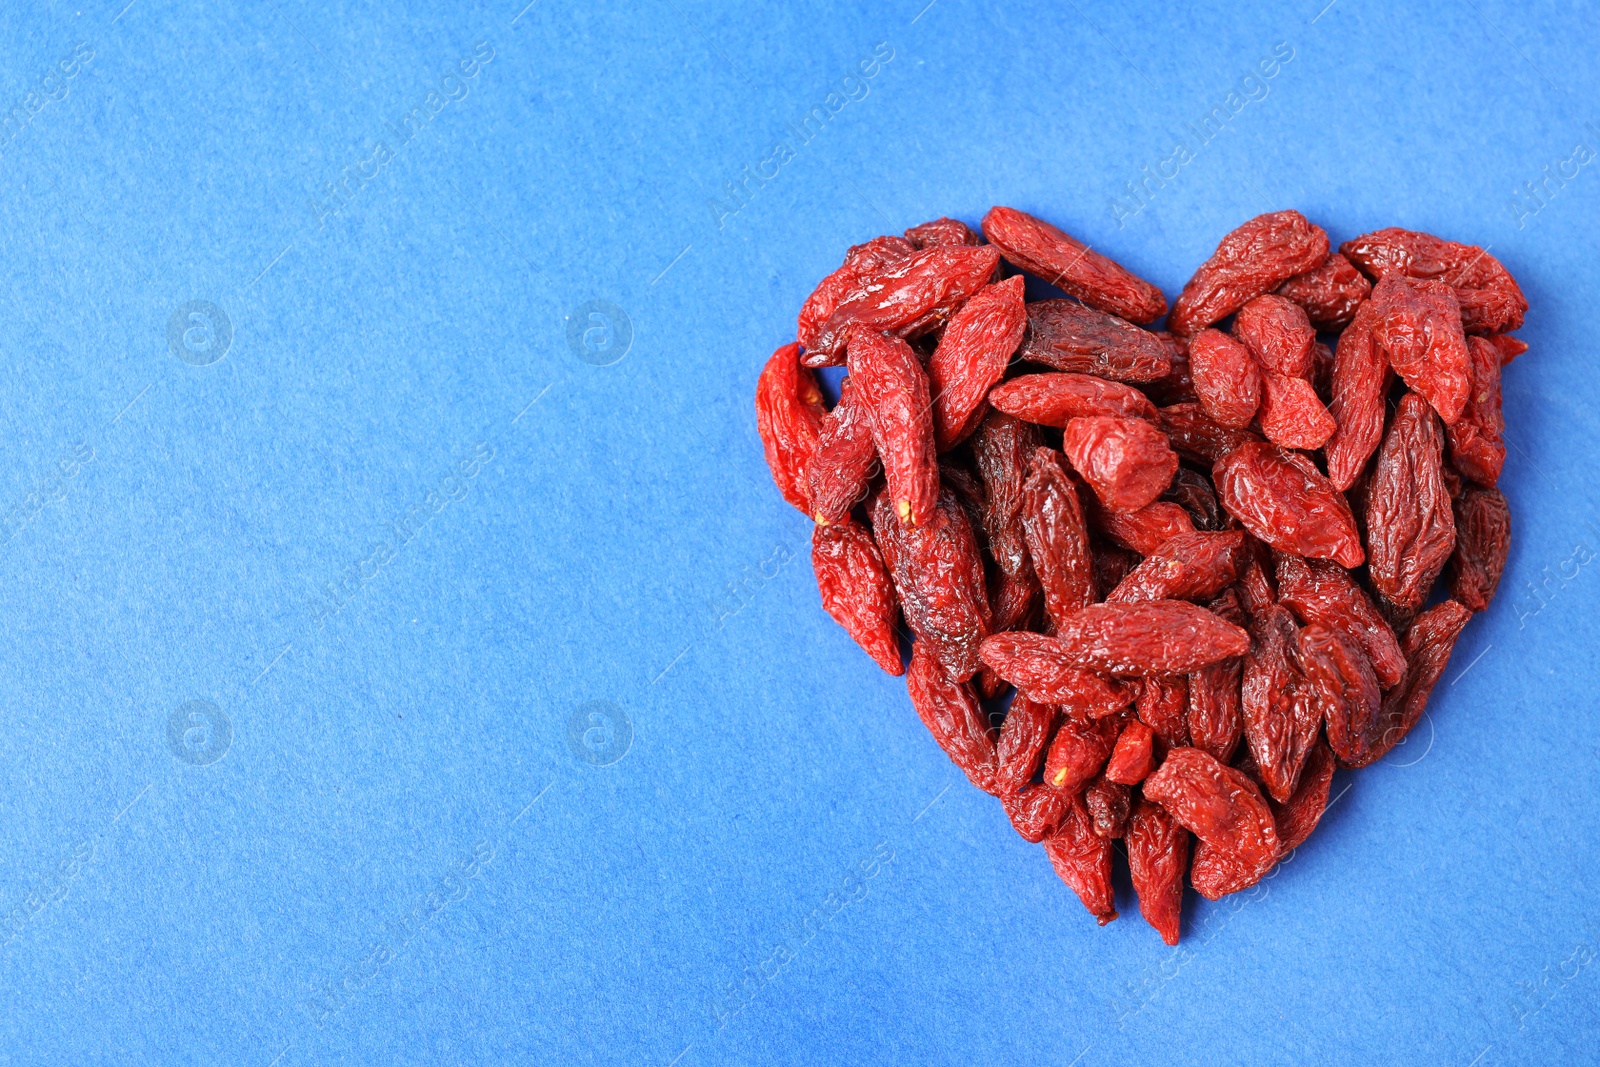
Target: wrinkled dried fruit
x,y
1343,687
1216,803
1082,859
1411,529
1329,293
1068,264
1416,325
1360,383
1299,815
1125,461
857,591
1254,259
1035,811
860,261
1003,447
1070,337
952,714
1197,436
1133,757
1056,399
1109,804
1155,637
892,386
1040,669
1291,415
972,355
906,299
1278,334
1483,540
1490,299
1193,566
789,415
942,232
1281,715
1214,717
1058,540
844,461
1143,531
1282,500
938,577
1021,747
1162,705
1191,491
1477,448
1158,853
1227,380
1427,648
1324,593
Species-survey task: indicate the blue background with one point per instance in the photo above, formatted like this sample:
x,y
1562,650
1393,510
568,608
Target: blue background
x,y
782,867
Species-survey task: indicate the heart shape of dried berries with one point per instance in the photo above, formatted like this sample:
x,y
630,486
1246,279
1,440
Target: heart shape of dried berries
x,y
1203,563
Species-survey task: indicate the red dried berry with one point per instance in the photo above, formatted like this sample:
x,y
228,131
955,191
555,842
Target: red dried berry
x,y
1003,447
1254,259
1477,448
1133,756
1291,415
1329,293
1191,491
1162,705
1278,334
844,461
1078,752
1219,805
1490,299
1111,564
1416,325
906,299
892,386
1155,637
952,714
1023,738
789,415
1282,500
1281,715
1427,648
1323,593
1508,347
1143,531
1344,688
1058,540
1109,804
938,576
1045,252
1177,385
1360,383
1035,811
1483,540
942,233
1193,566
1197,436
1057,398
1039,668
1227,380
1158,854
1082,859
1127,462
857,591
1067,336
1411,530
1299,815
860,261
972,355
1214,717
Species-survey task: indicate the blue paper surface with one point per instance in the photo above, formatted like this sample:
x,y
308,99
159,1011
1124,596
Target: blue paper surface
x,y
407,660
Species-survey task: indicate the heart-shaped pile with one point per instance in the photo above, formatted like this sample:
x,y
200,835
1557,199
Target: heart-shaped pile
x,y
1165,541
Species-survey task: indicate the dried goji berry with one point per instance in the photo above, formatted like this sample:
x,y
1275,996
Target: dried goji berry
x,y
857,591
1158,855
942,232
907,299
789,415
1299,815
1058,541
1278,334
1143,531
1360,383
972,355
1290,507
1045,252
1078,751
1022,742
1193,566
1281,716
1227,380
1111,564
1108,803
1324,593
1162,705
1322,371
1197,436
1490,299
1254,259
1216,872
1344,687
861,260
1508,347
938,576
1416,325
1191,491
1044,672
1427,647
844,460
892,386
1330,292
952,714
1127,462
1483,539
1035,811
1154,637
1067,336
1477,448
1003,447
1082,859
1133,757
1411,530
1216,803
1056,398
1177,385
1214,718
1291,415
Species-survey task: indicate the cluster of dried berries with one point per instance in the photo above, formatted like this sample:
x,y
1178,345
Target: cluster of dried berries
x,y
1204,558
